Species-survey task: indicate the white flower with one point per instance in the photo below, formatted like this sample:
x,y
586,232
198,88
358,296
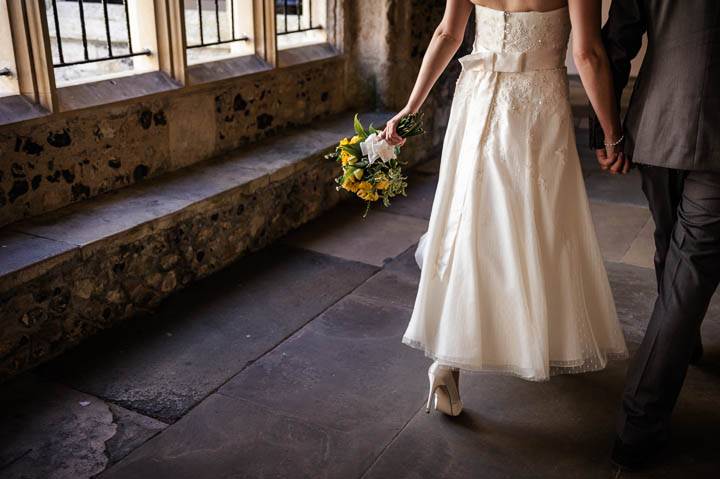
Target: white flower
x,y
376,148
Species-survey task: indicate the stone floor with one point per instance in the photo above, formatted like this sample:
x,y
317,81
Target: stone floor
x,y
288,364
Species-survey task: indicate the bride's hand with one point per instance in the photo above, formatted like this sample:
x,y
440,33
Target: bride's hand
x,y
390,133
612,158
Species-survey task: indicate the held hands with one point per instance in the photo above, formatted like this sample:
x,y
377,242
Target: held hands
x,y
612,158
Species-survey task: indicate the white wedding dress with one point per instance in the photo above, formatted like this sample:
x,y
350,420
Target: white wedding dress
x,y
512,278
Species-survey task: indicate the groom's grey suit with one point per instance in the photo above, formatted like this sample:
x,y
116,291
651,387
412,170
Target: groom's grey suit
x,y
672,131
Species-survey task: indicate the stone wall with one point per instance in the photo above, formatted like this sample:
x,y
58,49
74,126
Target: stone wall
x,y
88,289
49,162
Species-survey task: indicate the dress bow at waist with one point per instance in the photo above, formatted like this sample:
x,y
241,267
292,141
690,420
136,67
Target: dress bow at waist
x,y
531,60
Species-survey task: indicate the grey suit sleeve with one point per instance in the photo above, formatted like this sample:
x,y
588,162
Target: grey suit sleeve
x,y
622,36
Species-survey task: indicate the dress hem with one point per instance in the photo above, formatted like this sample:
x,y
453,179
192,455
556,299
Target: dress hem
x,y
556,367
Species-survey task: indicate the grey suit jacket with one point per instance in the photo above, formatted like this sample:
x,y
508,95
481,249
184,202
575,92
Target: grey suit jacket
x,y
673,119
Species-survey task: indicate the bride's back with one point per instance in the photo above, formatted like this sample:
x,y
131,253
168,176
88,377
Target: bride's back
x,y
522,5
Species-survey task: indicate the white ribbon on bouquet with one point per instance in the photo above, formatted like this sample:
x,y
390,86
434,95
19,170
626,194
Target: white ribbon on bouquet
x,y
374,148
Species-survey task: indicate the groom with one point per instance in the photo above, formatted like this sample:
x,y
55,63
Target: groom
x,y
672,132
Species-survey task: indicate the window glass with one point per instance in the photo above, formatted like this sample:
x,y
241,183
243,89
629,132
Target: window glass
x,y
8,82
300,22
217,29
96,39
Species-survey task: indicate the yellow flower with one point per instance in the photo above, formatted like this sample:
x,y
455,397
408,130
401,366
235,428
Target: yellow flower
x,y
355,139
349,184
368,195
345,157
344,142
381,185
365,185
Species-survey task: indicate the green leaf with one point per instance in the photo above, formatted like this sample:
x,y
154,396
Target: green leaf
x,y
354,150
359,130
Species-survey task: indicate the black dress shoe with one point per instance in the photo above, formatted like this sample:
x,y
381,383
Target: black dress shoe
x,y
697,354
631,457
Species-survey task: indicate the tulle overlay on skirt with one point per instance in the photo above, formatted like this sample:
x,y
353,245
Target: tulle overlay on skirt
x,y
512,278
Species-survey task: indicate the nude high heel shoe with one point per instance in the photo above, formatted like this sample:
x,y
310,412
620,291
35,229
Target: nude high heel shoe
x,y
443,390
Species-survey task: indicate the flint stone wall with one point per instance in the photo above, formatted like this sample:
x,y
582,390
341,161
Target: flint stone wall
x,y
87,289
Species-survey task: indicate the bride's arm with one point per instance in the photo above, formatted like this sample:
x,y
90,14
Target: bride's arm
x,y
594,68
445,42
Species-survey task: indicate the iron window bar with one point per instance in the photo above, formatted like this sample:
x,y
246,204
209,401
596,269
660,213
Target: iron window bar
x,y
108,37
233,38
298,5
5,72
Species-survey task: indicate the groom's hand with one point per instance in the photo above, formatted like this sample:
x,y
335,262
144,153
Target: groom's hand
x,y
605,161
614,162
625,164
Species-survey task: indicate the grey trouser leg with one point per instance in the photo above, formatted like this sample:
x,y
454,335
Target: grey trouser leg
x,y
663,187
688,274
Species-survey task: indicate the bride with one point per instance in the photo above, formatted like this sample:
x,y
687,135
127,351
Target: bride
x,y
512,279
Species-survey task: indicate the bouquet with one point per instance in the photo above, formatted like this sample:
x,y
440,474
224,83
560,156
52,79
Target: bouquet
x,y
370,165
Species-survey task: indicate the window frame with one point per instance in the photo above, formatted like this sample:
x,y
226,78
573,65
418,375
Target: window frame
x,y
263,58
40,95
33,61
158,29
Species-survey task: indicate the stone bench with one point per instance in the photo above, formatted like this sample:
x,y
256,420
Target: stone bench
x,y
70,273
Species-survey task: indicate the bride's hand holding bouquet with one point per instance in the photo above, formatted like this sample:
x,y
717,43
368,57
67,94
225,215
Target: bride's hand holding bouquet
x,y
369,160
390,133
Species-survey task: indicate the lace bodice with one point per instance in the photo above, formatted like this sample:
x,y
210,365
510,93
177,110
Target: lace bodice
x,y
531,34
516,72
499,31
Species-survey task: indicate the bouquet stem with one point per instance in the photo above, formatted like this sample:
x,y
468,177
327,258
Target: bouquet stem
x,y
411,125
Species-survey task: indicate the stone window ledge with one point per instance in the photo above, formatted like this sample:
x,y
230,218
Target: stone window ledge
x,y
226,69
306,54
107,258
17,108
100,93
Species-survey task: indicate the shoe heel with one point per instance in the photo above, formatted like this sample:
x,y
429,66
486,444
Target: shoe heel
x,y
443,403
434,385
444,390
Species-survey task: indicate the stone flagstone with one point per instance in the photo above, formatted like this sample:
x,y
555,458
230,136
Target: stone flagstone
x,y
51,431
374,239
420,195
642,249
322,404
617,189
164,364
617,226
